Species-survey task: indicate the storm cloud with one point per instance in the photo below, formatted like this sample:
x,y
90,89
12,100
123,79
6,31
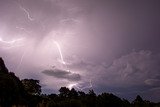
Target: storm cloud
x,y
62,74
114,43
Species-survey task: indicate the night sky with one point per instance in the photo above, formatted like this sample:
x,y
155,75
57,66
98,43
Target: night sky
x,y
105,45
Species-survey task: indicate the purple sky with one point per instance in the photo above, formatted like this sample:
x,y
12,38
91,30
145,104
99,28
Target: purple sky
x,y
107,45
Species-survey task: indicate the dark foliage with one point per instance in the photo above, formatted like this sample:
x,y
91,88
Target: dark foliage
x,y
31,86
2,66
11,88
27,93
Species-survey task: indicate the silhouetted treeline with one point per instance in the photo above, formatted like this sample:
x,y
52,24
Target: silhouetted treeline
x,y
27,93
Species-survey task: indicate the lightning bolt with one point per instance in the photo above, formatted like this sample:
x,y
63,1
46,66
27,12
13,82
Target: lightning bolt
x,y
18,2
76,85
60,52
27,13
10,44
21,60
87,87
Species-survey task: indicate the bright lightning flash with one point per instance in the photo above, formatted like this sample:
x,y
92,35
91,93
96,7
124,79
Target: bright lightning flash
x,y
70,86
76,85
79,87
10,44
60,52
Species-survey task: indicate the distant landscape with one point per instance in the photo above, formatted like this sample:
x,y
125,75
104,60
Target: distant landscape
x,y
27,93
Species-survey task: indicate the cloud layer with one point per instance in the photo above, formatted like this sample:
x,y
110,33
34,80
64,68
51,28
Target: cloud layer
x,y
62,74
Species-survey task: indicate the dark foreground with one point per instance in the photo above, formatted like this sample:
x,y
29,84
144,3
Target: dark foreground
x,y
27,93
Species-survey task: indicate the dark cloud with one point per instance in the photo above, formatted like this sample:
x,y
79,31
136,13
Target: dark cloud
x,y
136,72
133,69
62,74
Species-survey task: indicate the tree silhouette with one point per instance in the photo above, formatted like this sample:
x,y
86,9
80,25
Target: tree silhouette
x,y
81,94
73,93
2,66
91,93
138,102
11,88
64,92
138,99
106,99
31,86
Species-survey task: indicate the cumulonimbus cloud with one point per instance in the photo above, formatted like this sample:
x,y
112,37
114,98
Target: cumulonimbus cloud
x,y
63,74
137,71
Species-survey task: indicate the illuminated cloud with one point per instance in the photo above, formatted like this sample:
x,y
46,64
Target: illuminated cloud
x,y
152,82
